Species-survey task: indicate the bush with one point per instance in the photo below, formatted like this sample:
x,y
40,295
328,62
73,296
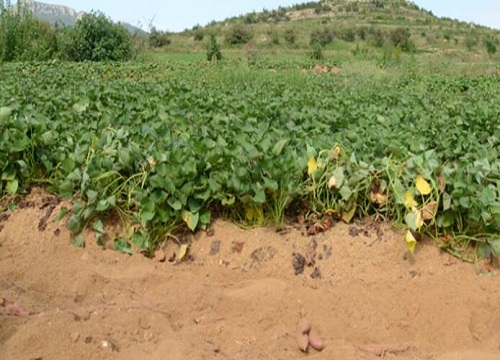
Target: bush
x,y
348,35
323,37
199,35
471,42
491,46
96,38
290,35
274,36
376,37
400,38
239,34
158,39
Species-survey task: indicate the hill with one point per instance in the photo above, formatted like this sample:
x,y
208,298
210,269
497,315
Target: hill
x,y
63,15
348,26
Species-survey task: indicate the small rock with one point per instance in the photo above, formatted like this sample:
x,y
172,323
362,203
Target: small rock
x,y
148,336
87,340
210,232
215,248
304,326
353,231
75,337
303,342
85,256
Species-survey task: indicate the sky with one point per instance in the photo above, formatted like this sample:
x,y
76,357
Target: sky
x,y
173,15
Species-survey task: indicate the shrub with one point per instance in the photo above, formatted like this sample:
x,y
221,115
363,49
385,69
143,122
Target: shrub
x,y
400,38
213,50
348,35
96,38
491,46
316,52
376,37
158,38
471,42
199,35
239,34
322,36
290,35
274,36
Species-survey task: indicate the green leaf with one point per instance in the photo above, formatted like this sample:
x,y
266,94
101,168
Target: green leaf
x,y
205,217
12,187
11,207
495,246
68,164
98,226
174,203
80,107
338,173
484,251
5,113
79,242
91,196
141,239
147,216
228,201
75,224
122,245
345,192
278,148
48,138
259,197
64,211
446,201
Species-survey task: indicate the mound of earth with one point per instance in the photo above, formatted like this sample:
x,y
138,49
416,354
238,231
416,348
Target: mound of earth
x,y
240,295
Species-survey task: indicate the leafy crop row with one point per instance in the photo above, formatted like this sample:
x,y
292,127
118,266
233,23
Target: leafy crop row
x,y
164,145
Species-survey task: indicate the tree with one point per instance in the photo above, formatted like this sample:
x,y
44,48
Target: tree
x,y
239,34
213,50
96,38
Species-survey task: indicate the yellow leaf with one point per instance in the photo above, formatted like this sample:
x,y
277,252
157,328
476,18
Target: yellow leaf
x,y
419,221
336,153
183,250
410,202
423,186
410,240
312,166
250,213
349,214
333,183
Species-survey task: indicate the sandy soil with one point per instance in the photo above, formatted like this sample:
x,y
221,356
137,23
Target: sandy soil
x,y
239,297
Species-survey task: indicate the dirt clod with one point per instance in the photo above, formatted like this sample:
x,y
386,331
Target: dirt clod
x,y
316,274
299,263
237,246
215,248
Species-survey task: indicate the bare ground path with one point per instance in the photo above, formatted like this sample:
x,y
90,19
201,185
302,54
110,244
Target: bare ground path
x,y
239,297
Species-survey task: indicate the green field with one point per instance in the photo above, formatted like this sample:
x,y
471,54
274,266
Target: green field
x,y
168,144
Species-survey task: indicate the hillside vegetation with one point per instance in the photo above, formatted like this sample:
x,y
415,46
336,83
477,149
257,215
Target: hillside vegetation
x,y
347,31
